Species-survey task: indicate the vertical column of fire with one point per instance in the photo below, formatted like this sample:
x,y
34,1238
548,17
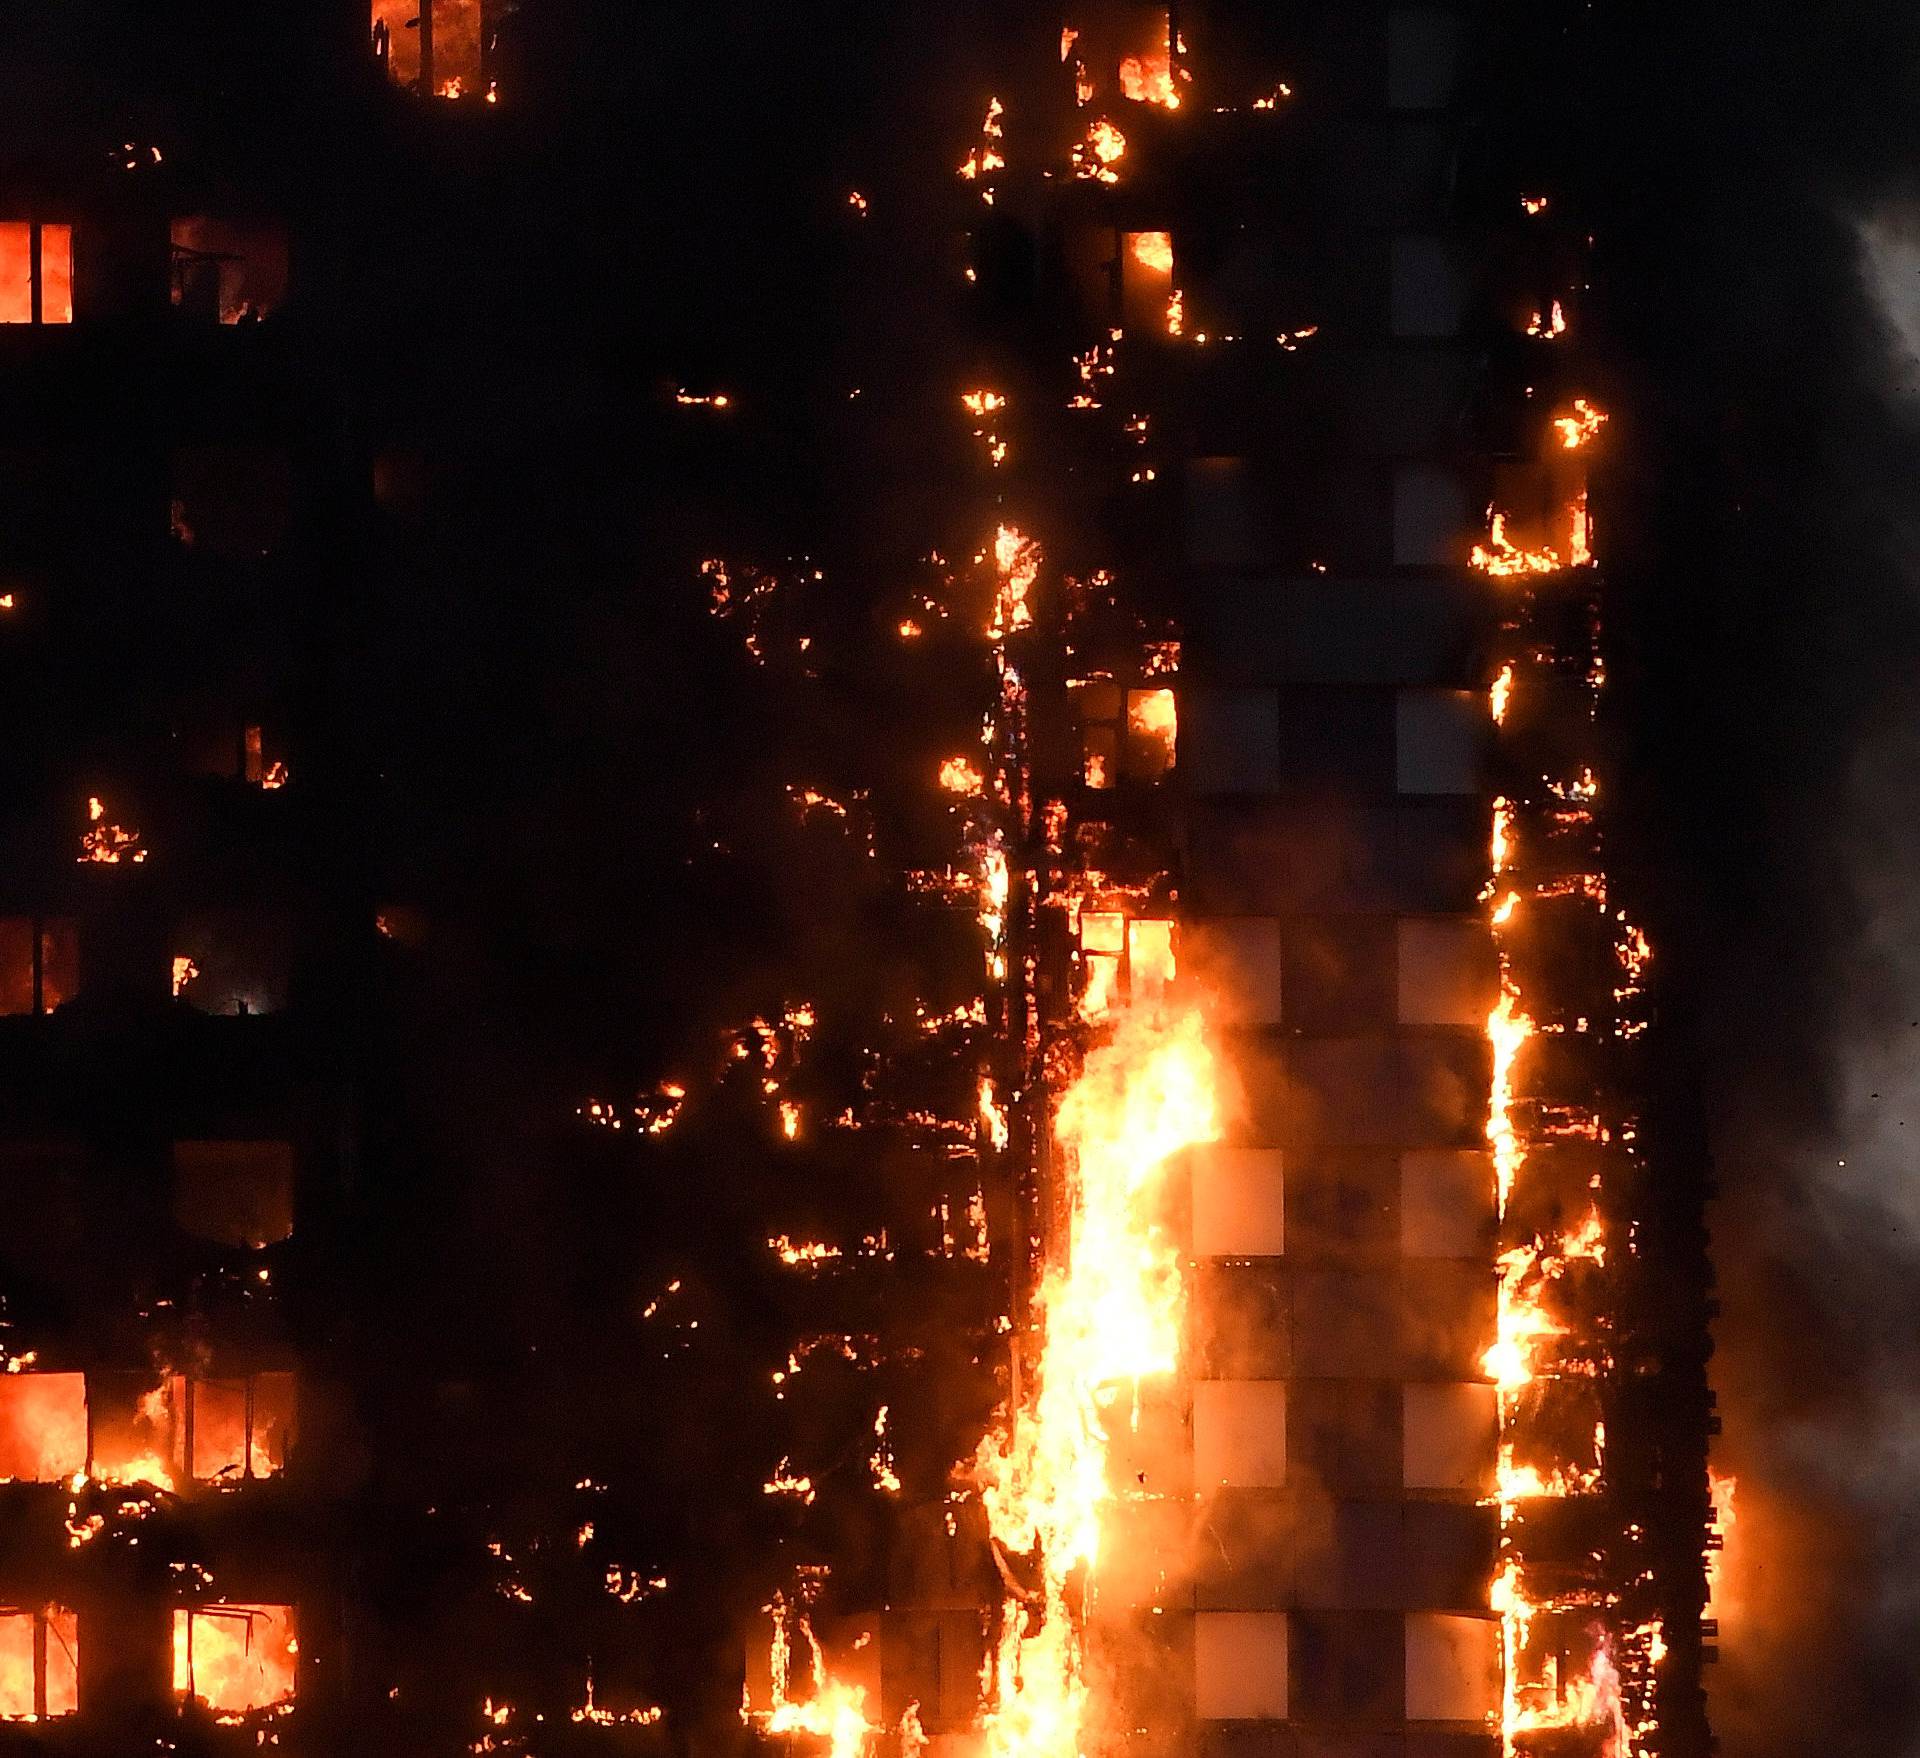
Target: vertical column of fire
x,y
1577,1667
1119,1080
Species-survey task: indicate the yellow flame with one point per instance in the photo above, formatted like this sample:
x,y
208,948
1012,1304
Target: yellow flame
x,y
1109,1314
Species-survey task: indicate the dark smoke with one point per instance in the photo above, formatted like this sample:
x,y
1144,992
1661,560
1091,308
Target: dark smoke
x,y
1765,278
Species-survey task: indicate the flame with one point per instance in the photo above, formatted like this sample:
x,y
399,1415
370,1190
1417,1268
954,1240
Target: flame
x,y
1533,204
1109,1313
1103,148
1500,697
987,157
1153,716
106,842
43,1426
880,1462
1579,427
1720,1491
184,971
1152,78
1501,557
1550,327
1177,313
802,1254
1153,251
235,1658
833,1711
1016,558
23,1697
993,1114
786,1481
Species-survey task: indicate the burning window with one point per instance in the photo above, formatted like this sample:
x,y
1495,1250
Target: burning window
x,y
234,1192
433,46
39,963
1124,733
133,1429
235,1658
39,1663
227,271
181,1428
1123,960
36,273
43,1426
228,1430
236,961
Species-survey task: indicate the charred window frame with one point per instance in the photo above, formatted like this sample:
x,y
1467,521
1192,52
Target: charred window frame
x,y
267,1416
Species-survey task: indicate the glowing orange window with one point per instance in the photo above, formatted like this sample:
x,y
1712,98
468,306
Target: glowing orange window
x,y
39,1663
235,1658
231,1430
433,46
36,273
43,1426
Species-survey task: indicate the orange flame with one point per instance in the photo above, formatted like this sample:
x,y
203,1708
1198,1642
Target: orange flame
x,y
1109,1313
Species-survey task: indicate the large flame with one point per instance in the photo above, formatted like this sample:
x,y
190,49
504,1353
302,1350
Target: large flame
x,y
1108,1314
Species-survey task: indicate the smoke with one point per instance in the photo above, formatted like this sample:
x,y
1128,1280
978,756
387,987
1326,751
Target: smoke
x,y
1809,988
1763,278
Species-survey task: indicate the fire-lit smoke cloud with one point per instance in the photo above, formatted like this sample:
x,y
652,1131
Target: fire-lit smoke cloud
x,y
1817,1225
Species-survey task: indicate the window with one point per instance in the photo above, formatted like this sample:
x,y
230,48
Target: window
x,y
43,1426
229,1430
1448,1435
1124,733
234,1192
1239,960
431,46
227,271
1423,54
1239,1434
1239,1202
1240,1666
39,963
39,1663
1447,973
1439,736
231,500
1428,293
1453,1668
1233,742
36,273
233,961
234,1658
1123,959
1430,516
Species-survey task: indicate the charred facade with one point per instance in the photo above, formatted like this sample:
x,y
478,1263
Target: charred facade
x,y
888,1033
